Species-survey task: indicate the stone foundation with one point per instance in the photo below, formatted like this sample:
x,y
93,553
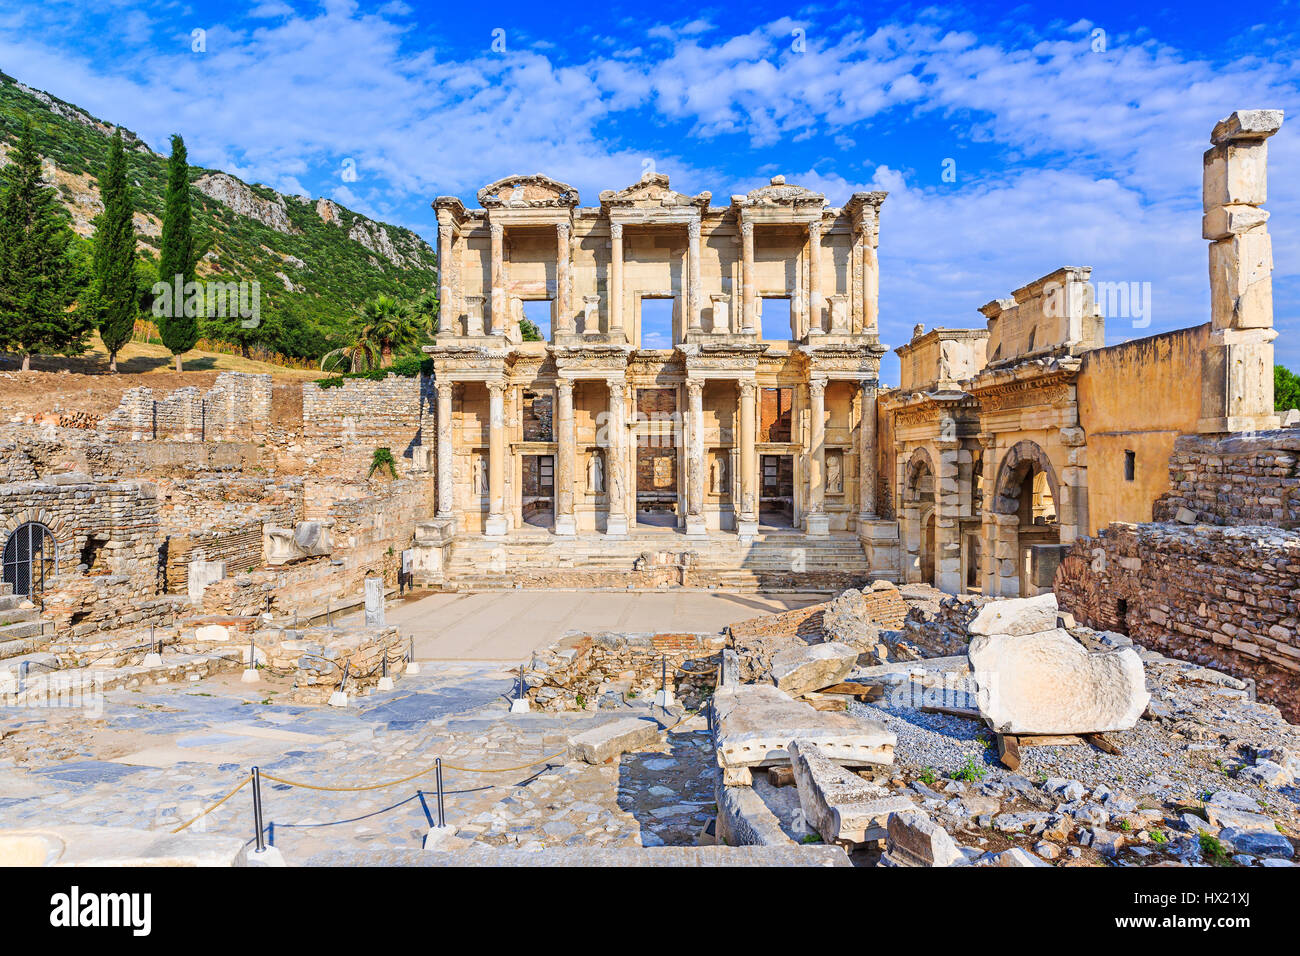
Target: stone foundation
x,y
1223,597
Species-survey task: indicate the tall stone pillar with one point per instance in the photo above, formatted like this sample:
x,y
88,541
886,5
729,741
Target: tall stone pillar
x,y
748,281
446,492
444,277
693,276
815,299
696,526
817,522
1237,365
563,279
615,278
867,457
747,524
496,519
947,522
616,460
565,523
870,289
498,318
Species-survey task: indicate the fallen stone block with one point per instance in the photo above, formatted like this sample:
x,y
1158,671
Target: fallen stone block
x,y
837,803
746,819
1017,616
1018,857
754,724
1048,683
913,839
798,670
1234,818
1272,844
606,741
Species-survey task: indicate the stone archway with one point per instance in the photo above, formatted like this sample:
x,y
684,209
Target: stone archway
x,y
918,503
1026,508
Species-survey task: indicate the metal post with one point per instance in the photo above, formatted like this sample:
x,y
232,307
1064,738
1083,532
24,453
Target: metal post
x,y
329,612
155,644
252,653
442,813
257,810
410,655
663,672
385,673
521,681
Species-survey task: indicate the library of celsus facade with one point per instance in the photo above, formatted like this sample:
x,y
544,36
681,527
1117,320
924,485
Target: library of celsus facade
x,y
758,416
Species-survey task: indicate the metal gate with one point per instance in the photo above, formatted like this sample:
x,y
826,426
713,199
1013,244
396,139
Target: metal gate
x,y
29,559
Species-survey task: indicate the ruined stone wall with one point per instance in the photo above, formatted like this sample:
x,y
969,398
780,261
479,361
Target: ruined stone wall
x,y
237,406
1223,597
1136,399
342,426
1240,480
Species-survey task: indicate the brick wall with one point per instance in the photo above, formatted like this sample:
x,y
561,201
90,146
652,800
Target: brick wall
x,y
237,406
1224,597
344,425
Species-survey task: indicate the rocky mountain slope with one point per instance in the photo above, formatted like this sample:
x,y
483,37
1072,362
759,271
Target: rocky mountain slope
x,y
317,261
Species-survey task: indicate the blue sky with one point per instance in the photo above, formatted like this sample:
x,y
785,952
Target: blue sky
x,y
1069,146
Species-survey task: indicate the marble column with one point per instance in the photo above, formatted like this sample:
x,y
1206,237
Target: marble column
x,y
496,520
817,521
565,522
747,524
870,290
444,278
696,525
815,299
615,278
749,281
693,276
616,462
563,282
867,459
446,492
498,318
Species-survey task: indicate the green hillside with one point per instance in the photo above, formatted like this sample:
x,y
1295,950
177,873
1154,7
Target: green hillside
x,y
271,238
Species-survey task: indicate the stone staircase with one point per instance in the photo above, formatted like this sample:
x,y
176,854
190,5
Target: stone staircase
x,y
22,632
771,561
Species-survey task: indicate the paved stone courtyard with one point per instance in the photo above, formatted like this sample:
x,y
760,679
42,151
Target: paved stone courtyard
x,y
509,625
152,758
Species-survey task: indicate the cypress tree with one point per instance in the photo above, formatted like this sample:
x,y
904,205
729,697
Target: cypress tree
x,y
176,260
40,276
114,283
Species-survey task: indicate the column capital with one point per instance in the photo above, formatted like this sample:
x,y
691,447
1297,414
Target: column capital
x,y
497,229
693,228
815,229
616,230
817,386
497,386
564,384
695,384
563,227
747,229
747,387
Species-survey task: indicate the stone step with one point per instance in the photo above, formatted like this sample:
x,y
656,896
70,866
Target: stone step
x,y
17,616
18,646
11,602
20,629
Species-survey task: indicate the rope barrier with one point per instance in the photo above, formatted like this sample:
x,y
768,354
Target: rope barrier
x,y
242,784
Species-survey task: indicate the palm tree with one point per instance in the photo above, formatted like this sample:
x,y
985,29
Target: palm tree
x,y
428,312
394,325
361,355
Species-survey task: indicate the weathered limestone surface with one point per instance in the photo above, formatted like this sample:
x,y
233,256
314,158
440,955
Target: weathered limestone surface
x,y
617,737
913,839
839,804
1048,683
799,670
1017,616
307,539
83,845
754,724
666,856
744,819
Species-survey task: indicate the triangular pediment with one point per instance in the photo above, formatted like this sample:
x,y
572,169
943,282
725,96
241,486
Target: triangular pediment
x,y
651,191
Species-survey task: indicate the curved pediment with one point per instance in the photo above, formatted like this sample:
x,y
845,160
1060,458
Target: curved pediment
x,y
523,192
652,191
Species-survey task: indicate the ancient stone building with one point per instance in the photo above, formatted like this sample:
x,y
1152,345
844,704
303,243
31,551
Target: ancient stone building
x,y
758,414
1008,445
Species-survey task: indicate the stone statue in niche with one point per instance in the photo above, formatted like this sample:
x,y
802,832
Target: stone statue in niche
x,y
834,474
596,473
481,474
718,475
